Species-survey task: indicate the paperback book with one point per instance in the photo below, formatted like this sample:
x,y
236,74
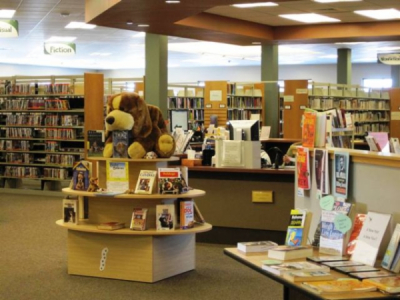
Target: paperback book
x,y
145,182
139,219
95,139
389,285
339,264
333,241
303,168
261,246
186,214
70,211
298,228
321,171
308,129
80,176
352,269
121,142
165,217
330,287
287,267
357,225
290,252
394,145
392,255
341,174
373,274
327,258
169,181
117,176
303,276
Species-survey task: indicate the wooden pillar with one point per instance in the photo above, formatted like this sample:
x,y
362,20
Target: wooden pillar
x,y
156,72
269,72
344,66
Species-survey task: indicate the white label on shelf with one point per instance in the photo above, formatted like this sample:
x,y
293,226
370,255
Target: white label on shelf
x,y
103,259
301,91
222,106
216,95
288,98
395,115
288,107
302,107
208,106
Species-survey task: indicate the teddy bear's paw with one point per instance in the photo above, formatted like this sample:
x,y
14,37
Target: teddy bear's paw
x,y
136,150
108,150
165,145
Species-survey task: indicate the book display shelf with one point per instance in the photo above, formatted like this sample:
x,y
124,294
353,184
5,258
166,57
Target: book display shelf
x,y
369,108
186,106
42,128
145,256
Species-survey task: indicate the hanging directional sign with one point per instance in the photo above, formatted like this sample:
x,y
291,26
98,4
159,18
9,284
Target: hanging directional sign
x,y
8,28
62,49
389,58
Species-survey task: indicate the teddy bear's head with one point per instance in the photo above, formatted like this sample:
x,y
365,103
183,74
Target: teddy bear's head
x,y
128,111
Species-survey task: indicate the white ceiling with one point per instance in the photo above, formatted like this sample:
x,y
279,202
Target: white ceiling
x,y
41,19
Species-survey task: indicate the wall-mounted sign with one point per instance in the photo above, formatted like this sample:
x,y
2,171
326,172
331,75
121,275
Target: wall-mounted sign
x,y
216,95
9,28
301,91
62,49
389,58
288,98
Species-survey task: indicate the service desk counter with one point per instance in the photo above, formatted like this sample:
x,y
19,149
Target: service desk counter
x,y
244,204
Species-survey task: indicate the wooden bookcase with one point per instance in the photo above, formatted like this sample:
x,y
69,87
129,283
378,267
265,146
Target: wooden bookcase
x,y
42,128
146,256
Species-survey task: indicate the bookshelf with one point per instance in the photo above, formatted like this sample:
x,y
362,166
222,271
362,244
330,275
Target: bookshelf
x,y
145,256
369,108
185,106
42,128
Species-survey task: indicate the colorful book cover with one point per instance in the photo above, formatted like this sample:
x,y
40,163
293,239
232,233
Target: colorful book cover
x,y
139,219
303,168
391,249
308,129
70,211
332,241
370,238
120,140
321,171
169,181
95,140
294,234
357,225
117,175
340,286
341,174
390,285
80,177
186,214
165,217
145,182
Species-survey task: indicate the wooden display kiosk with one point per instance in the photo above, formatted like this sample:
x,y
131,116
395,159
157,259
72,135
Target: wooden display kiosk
x,y
146,256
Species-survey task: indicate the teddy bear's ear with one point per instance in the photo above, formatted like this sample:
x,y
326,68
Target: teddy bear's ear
x,y
142,122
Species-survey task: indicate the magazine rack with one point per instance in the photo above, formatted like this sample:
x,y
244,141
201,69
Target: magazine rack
x,y
146,256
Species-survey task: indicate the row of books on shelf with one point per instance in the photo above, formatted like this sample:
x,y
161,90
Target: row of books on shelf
x,y
42,119
14,145
244,114
35,104
348,104
34,172
51,133
18,158
182,215
244,102
185,103
8,88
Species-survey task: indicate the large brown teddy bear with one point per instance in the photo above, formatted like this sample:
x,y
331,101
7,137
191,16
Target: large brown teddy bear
x,y
128,111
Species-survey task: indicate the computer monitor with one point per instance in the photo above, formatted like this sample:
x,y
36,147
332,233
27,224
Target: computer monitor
x,y
246,130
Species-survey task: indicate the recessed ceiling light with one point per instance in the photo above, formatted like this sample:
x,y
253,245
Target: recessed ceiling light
x,y
7,13
143,25
172,1
331,1
80,25
61,39
309,18
380,14
350,43
247,5
256,43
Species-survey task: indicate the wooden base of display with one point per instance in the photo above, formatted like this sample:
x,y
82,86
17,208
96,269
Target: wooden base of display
x,y
136,258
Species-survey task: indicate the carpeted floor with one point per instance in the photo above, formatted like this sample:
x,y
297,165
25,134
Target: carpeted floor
x,y
33,264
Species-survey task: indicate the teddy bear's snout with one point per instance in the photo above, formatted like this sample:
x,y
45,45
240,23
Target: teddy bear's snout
x,y
110,120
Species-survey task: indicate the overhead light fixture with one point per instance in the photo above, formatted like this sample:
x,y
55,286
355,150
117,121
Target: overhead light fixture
x,y
380,14
261,4
80,25
143,25
172,1
129,23
309,18
349,43
7,13
61,39
256,43
332,1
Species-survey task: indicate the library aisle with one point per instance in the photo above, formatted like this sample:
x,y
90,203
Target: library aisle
x,y
34,264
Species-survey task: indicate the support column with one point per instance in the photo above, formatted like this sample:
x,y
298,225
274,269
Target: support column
x,y
269,72
395,75
156,71
344,66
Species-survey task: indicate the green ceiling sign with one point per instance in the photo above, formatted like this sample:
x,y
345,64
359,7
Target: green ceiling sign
x,y
8,28
61,49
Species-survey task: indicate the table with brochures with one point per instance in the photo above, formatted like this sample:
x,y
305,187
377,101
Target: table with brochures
x,y
254,261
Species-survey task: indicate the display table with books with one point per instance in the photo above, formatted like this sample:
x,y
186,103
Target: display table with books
x,y
147,255
256,260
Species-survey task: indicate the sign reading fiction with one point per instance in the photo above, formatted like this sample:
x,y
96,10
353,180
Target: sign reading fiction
x,y
60,49
9,28
389,58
